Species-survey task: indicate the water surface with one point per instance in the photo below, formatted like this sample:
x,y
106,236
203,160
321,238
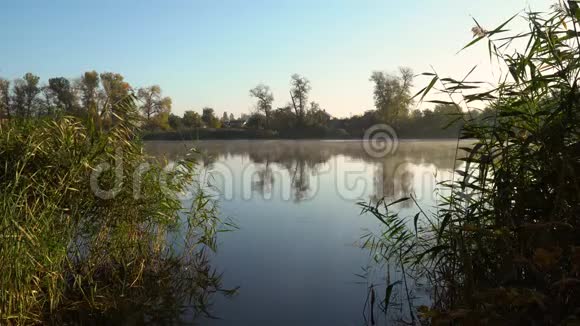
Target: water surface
x,y
297,253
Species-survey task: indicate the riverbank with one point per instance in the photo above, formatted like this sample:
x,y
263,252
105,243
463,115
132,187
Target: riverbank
x,y
77,245
250,134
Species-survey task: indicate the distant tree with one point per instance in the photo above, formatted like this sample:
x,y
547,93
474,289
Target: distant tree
x,y
5,105
446,115
392,94
26,91
18,98
300,87
192,119
447,109
283,118
256,121
115,88
315,116
159,122
265,99
357,124
32,89
225,119
152,102
89,87
48,101
416,115
209,119
175,121
64,97
114,91
232,117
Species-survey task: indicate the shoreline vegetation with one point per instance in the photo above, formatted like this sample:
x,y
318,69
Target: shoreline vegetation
x,y
87,226
502,245
93,93
260,134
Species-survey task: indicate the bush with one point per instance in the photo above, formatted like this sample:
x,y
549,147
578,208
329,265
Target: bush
x,y
66,247
211,133
504,247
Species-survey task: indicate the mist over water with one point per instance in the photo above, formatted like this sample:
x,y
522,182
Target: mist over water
x,y
297,251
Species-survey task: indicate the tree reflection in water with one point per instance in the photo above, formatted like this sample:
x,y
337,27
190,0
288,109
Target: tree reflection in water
x,y
304,173
394,176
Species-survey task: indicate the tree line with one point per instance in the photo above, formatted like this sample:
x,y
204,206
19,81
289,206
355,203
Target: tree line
x,y
92,94
303,117
96,94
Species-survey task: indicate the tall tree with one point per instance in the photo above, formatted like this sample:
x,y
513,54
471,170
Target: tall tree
x,y
159,122
89,86
392,94
316,116
115,88
114,91
48,102
265,99
256,121
152,101
300,87
5,98
283,118
18,98
192,119
209,118
225,119
175,121
26,91
64,96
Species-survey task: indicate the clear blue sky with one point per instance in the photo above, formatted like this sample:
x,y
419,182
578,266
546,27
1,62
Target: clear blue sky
x,y
210,53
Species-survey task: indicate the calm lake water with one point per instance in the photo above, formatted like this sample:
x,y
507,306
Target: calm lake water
x,y
297,252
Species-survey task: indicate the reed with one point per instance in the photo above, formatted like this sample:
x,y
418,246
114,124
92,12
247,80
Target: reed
x,y
503,245
63,249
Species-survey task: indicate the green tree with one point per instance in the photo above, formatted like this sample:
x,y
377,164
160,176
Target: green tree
x,y
225,119
64,96
26,92
392,94
192,119
89,86
256,121
265,99
114,93
416,115
300,87
316,116
115,88
5,105
152,102
283,118
159,121
175,121
209,119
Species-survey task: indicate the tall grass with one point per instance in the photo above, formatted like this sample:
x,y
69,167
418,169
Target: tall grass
x,y
63,248
504,245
